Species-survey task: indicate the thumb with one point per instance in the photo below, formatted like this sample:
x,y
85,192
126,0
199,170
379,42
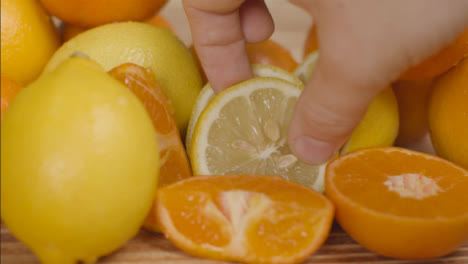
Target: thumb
x,y
330,107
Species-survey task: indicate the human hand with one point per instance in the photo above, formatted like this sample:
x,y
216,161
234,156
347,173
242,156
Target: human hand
x,y
364,46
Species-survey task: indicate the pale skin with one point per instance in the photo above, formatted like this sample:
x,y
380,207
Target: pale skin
x,y
365,45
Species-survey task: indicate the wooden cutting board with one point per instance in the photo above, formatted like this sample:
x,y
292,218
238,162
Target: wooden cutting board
x,y
149,248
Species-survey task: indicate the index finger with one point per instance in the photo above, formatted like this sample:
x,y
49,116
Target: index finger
x,y
218,39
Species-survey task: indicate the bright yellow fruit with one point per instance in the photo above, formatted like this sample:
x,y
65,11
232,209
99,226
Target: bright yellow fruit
x,y
244,130
28,39
79,164
147,46
379,126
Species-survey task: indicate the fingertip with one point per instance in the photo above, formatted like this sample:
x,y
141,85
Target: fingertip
x,y
312,151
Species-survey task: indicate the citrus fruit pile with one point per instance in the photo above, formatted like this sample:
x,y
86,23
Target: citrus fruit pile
x,y
106,129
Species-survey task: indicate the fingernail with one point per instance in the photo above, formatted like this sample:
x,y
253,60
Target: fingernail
x,y
313,151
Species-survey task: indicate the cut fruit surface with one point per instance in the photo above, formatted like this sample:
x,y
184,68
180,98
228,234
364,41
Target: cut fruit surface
x,y
244,129
173,159
305,69
246,218
207,93
400,203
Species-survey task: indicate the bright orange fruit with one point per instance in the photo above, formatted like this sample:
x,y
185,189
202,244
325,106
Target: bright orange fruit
x,y
90,13
448,115
245,218
174,162
400,203
69,30
9,89
311,43
413,102
441,61
272,53
266,52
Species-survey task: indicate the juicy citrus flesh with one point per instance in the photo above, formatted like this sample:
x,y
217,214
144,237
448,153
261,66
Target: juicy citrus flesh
x,y
79,164
413,102
174,164
89,13
244,129
440,62
28,39
147,46
246,218
448,115
9,90
400,203
207,94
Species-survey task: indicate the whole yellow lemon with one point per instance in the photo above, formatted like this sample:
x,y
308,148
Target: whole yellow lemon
x,y
147,46
29,38
79,164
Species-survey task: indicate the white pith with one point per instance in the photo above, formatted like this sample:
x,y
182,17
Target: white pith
x,y
265,149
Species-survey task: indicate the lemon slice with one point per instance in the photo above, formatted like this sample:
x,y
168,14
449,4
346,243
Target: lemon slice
x,y
244,130
305,69
207,93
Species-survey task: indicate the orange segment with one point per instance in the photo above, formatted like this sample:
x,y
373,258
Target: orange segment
x,y
173,159
311,43
246,218
400,203
9,90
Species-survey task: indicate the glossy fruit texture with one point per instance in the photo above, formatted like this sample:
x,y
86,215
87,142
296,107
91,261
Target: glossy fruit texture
x,y
400,203
448,115
89,13
79,162
28,39
244,218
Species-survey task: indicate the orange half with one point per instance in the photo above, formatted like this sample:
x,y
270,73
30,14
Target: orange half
x,y
251,219
173,158
400,203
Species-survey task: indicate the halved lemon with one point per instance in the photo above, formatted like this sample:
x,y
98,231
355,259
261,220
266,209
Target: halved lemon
x,y
244,129
305,69
207,93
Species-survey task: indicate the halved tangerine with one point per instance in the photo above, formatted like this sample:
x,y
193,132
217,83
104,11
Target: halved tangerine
x,y
173,158
246,218
400,203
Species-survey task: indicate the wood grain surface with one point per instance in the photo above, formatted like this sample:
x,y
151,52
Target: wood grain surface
x,y
149,248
